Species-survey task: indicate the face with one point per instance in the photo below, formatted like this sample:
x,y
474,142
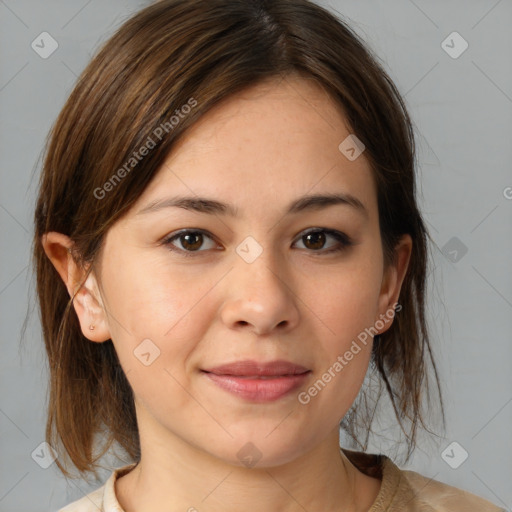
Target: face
x,y
183,289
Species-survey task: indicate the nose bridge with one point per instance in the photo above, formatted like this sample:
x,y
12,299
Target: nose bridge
x,y
259,292
259,267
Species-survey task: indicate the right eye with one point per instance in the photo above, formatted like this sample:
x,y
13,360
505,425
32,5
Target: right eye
x,y
190,240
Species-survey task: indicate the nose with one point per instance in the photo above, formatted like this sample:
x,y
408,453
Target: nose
x,y
260,297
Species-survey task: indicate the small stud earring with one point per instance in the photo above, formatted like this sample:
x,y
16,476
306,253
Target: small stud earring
x,y
91,327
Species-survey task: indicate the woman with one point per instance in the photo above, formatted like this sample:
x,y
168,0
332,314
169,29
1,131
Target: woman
x,y
227,241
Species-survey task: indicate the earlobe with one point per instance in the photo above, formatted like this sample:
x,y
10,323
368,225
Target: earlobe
x,y
88,306
91,311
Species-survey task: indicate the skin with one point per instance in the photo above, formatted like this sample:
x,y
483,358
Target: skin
x,y
258,151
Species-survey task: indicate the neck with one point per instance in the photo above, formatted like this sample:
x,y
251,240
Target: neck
x,y
182,477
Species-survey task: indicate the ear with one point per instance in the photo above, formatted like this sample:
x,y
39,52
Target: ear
x,y
392,283
88,303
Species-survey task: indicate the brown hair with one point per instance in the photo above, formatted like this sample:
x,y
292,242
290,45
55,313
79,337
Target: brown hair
x,y
159,59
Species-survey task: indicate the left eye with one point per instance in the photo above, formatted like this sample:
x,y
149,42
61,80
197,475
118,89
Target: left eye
x,y
318,236
192,240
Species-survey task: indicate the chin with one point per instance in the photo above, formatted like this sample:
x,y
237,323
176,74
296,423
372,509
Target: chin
x,y
259,451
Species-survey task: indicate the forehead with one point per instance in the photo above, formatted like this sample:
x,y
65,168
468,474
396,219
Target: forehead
x,y
264,147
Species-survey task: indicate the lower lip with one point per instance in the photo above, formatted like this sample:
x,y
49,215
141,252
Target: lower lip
x,y
259,390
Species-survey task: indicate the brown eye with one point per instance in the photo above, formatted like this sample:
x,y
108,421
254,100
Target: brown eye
x,y
190,240
315,240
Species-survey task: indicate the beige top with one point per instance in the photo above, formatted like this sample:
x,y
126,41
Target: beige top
x,y
401,491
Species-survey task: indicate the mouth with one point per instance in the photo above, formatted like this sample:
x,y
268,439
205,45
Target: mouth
x,y
258,382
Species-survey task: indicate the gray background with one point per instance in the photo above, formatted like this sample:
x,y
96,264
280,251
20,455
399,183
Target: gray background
x,y
462,109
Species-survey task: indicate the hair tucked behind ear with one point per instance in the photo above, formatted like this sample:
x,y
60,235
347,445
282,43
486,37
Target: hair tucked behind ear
x,y
198,53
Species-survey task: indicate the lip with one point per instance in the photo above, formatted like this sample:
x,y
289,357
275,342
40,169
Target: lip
x,y
257,381
250,368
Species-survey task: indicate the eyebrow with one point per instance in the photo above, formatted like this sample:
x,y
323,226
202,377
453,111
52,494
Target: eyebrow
x,y
213,207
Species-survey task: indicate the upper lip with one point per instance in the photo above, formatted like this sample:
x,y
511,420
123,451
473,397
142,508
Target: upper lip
x,y
249,368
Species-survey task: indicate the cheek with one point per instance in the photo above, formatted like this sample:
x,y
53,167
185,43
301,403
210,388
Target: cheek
x,y
170,309
346,299
157,321
346,303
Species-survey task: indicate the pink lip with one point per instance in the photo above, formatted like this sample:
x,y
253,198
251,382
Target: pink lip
x,y
259,382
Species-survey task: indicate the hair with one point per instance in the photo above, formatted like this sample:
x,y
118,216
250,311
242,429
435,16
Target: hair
x,y
168,55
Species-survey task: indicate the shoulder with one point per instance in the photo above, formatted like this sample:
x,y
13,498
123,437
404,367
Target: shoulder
x,y
93,502
408,491
102,499
420,493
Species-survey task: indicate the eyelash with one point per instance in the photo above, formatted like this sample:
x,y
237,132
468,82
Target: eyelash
x,y
344,241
